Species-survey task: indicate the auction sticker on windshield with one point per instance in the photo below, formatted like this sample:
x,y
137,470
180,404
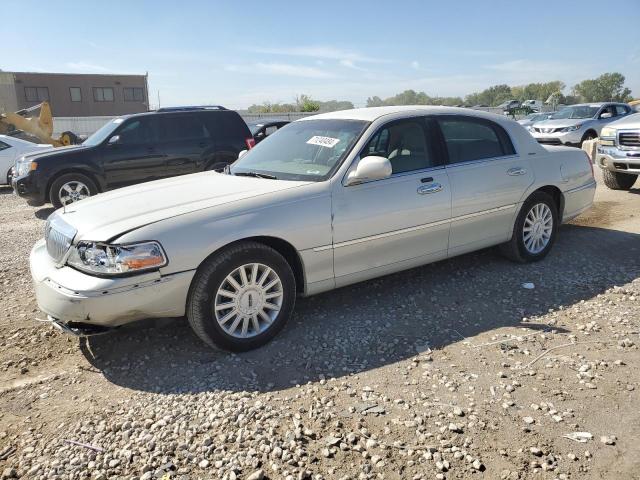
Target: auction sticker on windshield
x,y
323,141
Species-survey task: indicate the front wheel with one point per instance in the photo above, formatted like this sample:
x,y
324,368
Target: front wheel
x,y
70,188
242,297
534,231
618,180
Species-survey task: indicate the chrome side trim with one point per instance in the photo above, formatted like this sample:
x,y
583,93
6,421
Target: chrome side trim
x,y
591,184
484,212
411,229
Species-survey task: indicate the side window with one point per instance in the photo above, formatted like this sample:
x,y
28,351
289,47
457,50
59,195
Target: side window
x,y
135,132
183,127
404,144
227,127
470,139
270,129
621,110
4,146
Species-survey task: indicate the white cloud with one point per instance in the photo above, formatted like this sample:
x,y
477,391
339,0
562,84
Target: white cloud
x,y
319,52
415,64
87,67
283,69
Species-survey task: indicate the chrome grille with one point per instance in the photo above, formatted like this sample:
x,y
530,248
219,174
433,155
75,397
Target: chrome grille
x,y
58,236
629,139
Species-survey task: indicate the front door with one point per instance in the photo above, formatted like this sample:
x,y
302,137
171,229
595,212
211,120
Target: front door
x,y
395,223
132,154
488,180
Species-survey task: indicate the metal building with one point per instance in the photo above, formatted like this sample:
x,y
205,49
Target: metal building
x,y
75,95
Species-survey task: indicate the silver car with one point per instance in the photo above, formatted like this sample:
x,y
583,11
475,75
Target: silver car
x,y
618,153
574,124
324,202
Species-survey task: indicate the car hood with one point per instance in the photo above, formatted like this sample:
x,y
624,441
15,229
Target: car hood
x,y
111,214
50,152
630,121
562,122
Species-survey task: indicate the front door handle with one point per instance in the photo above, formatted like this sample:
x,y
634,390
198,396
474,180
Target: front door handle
x,y
515,171
431,188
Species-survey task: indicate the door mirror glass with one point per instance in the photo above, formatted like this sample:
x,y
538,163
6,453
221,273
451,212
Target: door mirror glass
x,y
242,154
368,169
115,139
605,115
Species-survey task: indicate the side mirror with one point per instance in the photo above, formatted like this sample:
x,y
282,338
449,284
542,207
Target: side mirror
x,y
113,140
606,115
242,154
370,168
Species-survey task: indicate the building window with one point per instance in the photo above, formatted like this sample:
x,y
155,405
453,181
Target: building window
x,y
76,94
133,94
36,94
103,94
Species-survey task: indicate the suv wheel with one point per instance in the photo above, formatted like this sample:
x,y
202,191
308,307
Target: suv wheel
x,y
242,297
534,231
618,180
70,188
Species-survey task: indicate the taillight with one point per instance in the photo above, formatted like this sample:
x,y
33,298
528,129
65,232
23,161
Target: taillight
x,y
251,142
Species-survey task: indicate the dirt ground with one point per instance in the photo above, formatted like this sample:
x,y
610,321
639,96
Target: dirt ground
x,y
452,370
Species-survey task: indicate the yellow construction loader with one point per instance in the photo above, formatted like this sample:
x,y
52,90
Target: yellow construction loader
x,y
40,127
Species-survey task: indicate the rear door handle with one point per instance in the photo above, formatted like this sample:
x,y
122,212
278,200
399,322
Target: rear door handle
x,y
516,171
431,188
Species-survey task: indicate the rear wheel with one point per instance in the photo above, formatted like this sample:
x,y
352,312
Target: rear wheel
x,y
70,188
242,297
534,231
618,180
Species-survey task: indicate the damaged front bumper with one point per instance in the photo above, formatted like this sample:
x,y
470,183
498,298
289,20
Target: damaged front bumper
x,y
71,297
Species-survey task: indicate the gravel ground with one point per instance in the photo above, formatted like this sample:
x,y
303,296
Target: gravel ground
x,y
453,370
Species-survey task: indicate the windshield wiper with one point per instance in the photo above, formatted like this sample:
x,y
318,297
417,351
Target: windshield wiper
x,y
256,175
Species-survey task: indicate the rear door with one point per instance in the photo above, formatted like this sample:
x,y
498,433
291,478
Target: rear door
x,y
488,180
231,135
7,154
186,142
132,155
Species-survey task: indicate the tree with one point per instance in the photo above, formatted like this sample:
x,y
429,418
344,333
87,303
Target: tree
x,y
607,87
491,96
411,97
374,102
306,104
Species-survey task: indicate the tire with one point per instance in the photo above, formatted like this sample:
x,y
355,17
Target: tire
x,y
517,249
618,180
77,182
215,325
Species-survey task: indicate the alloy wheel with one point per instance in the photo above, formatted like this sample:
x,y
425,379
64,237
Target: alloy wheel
x,y
249,300
537,229
73,191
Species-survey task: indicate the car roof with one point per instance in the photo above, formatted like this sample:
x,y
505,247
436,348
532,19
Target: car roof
x,y
370,114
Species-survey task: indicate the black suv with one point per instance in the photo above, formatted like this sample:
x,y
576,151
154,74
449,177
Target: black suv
x,y
134,149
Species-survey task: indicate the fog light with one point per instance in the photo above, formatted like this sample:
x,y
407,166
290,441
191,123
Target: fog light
x,y
603,162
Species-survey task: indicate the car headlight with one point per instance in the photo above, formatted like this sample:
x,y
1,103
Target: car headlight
x,y
608,132
23,167
104,259
572,128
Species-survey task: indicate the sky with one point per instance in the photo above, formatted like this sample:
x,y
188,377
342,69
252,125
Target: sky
x,y
239,53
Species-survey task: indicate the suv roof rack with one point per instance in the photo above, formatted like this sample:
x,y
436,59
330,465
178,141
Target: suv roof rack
x,y
190,108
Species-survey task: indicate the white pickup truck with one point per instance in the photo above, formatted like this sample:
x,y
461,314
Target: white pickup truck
x,y
618,152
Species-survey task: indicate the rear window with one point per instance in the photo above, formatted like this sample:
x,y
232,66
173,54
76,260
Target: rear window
x,y
227,125
469,139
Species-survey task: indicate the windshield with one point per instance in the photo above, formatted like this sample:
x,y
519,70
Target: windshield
x,y
101,134
577,111
308,150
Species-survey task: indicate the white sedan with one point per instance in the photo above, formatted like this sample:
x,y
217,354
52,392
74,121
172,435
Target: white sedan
x,y
11,149
324,202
